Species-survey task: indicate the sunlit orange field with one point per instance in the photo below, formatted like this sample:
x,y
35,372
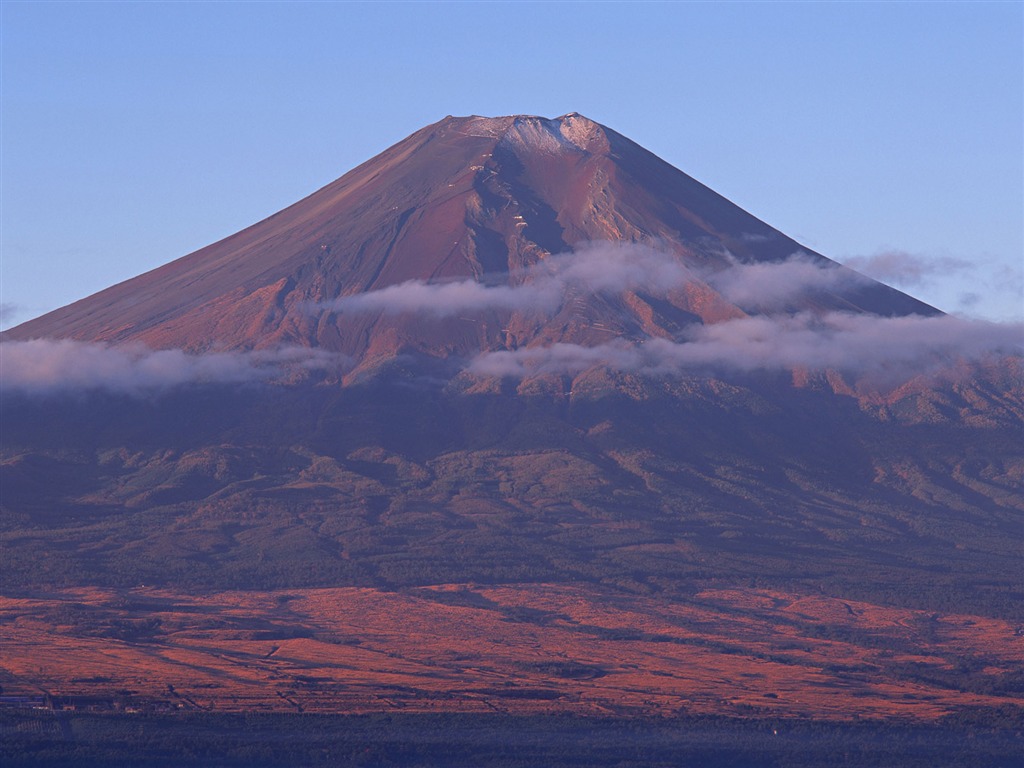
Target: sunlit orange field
x,y
520,648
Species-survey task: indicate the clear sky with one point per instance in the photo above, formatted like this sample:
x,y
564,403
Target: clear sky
x,y
134,133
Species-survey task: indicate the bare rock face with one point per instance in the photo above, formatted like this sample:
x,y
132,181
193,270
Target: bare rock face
x,y
470,198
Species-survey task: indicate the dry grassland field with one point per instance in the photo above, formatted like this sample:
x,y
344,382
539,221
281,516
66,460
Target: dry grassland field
x,y
521,649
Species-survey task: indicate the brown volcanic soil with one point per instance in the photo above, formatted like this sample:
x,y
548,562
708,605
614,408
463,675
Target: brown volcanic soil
x,y
514,648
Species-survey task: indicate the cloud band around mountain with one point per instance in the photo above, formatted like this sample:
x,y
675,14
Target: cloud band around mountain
x,y
862,344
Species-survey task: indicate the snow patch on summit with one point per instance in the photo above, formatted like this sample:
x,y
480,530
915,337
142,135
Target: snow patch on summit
x,y
582,132
537,134
572,131
492,127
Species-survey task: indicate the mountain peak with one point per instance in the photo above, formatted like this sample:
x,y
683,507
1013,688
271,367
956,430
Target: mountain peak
x,y
570,131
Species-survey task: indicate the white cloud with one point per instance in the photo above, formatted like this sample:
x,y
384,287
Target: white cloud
x,y
605,268
858,343
44,366
772,285
596,268
899,347
447,299
903,268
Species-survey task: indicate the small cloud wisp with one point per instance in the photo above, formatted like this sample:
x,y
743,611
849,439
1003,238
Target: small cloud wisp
x,y
771,285
903,268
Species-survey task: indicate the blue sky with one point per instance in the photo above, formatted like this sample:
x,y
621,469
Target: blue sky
x,y
134,133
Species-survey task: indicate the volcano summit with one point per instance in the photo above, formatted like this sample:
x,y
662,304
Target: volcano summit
x,y
513,416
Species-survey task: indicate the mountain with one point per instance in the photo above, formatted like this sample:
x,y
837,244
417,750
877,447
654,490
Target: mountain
x,y
513,416
477,198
